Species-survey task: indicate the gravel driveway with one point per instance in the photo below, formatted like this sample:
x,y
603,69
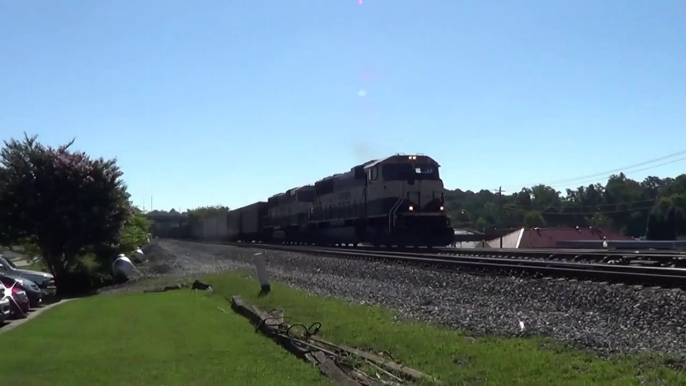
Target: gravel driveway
x,y
607,319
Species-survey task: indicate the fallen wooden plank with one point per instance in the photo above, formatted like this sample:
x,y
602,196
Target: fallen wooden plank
x,y
260,319
267,324
389,364
331,370
166,288
310,348
255,316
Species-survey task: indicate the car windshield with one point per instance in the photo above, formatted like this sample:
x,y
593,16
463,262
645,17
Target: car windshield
x,y
7,262
406,171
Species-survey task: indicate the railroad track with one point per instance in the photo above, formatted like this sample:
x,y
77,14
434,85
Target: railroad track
x,y
670,259
504,262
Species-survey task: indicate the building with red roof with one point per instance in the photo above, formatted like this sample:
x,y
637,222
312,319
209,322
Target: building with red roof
x,y
548,237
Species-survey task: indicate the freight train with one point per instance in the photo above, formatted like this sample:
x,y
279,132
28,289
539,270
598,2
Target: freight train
x,y
396,200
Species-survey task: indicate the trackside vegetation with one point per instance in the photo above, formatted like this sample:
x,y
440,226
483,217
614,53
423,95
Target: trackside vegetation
x,y
182,337
451,355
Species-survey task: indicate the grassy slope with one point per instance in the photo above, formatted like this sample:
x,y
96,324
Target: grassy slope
x,y
448,354
174,338
181,338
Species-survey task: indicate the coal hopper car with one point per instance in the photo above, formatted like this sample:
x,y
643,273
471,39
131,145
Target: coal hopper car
x,y
246,224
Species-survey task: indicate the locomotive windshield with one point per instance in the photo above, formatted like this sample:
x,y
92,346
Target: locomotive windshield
x,y
406,171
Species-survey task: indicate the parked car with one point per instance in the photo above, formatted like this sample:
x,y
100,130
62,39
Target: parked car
x,y
22,303
5,309
45,281
19,302
34,293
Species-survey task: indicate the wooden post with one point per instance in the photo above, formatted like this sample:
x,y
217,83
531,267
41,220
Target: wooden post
x,y
500,214
262,275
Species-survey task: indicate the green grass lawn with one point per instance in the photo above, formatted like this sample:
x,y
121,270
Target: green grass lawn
x,y
181,338
173,338
449,355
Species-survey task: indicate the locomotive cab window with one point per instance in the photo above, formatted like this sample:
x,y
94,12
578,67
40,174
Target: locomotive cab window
x,y
374,173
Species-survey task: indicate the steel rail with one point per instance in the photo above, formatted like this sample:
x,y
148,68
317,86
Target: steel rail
x,y
613,256
644,275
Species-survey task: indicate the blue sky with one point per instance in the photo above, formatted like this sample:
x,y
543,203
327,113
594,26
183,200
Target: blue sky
x,y
228,102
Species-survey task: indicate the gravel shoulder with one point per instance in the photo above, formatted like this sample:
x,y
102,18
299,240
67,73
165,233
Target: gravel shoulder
x,y
606,319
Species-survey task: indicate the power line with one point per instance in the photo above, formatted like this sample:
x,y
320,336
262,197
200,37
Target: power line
x,y
608,172
652,200
600,205
596,212
631,171
543,212
587,213
594,176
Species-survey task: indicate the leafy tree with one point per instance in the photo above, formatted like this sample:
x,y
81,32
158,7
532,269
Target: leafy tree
x,y
621,204
62,200
522,199
207,211
545,198
534,219
135,232
599,221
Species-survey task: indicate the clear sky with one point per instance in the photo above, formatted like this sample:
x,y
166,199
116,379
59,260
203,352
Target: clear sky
x,y
229,102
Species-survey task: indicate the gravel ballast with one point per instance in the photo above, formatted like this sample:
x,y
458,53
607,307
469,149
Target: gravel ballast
x,y
601,317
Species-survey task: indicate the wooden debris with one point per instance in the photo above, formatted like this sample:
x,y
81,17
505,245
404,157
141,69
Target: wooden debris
x,y
329,368
167,288
333,360
200,285
389,364
267,324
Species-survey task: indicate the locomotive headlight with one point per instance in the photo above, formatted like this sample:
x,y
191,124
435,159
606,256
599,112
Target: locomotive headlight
x,y
411,208
441,208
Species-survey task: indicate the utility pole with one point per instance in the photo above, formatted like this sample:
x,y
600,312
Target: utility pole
x,y
151,203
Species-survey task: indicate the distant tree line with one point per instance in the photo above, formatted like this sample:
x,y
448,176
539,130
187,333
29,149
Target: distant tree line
x,y
197,213
207,211
654,208
173,224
